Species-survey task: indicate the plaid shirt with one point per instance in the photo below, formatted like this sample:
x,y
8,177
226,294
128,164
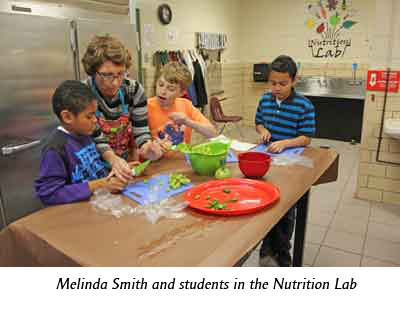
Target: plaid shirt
x,y
111,109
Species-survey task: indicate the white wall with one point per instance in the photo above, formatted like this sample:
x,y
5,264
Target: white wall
x,y
274,27
386,35
189,17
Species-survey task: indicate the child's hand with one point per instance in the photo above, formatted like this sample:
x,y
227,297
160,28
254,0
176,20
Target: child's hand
x,y
114,184
265,135
179,118
277,147
120,168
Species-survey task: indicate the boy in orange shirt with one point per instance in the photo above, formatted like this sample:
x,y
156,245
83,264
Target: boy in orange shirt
x,y
171,119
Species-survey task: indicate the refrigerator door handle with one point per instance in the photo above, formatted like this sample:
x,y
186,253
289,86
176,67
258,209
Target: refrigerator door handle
x,y
73,40
72,37
8,150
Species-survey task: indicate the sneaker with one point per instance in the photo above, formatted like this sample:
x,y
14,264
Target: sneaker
x,y
284,259
267,258
268,261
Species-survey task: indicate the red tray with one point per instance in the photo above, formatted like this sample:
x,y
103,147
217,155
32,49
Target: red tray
x,y
252,196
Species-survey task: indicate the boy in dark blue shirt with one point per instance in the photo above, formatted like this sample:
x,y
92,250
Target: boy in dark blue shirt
x,y
71,168
284,119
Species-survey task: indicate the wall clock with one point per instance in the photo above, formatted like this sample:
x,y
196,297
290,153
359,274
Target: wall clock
x,y
164,14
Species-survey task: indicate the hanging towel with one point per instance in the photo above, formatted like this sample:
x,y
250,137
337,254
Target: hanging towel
x,y
211,41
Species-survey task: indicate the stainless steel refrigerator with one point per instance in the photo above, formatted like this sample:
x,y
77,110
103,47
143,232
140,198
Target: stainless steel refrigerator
x,y
39,50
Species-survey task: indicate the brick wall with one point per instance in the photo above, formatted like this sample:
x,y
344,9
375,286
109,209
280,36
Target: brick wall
x,y
379,181
252,91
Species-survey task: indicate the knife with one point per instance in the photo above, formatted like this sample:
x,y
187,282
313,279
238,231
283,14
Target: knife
x,y
136,195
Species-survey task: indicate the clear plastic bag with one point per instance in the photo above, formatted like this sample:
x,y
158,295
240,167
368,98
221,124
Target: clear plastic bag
x,y
292,159
154,210
107,203
168,208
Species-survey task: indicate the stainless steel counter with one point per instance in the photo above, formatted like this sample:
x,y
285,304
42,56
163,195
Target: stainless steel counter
x,y
321,86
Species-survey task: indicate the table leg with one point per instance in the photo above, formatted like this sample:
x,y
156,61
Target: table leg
x,y
299,237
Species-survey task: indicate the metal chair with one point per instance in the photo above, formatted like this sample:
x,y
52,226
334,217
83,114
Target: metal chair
x,y
219,117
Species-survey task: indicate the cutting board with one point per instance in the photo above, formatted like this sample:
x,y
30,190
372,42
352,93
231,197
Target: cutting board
x,y
153,189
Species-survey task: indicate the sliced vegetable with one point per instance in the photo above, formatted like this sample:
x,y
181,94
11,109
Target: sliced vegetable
x,y
137,170
215,205
177,180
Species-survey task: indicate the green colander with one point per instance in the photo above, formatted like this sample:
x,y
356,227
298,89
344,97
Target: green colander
x,y
206,158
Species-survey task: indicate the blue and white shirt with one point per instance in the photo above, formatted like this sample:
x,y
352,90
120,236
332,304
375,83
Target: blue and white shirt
x,y
291,118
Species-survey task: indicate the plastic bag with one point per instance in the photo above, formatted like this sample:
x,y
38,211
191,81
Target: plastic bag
x,y
153,208
292,159
168,208
107,203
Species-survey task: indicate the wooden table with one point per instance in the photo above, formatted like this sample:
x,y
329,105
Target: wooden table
x,y
77,235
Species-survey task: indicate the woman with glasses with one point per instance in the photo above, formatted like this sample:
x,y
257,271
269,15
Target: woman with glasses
x,y
122,105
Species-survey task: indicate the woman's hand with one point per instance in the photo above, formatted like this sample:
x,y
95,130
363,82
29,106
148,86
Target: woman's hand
x,y
165,144
150,150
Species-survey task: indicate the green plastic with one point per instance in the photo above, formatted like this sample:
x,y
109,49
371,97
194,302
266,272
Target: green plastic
x,y
137,170
206,158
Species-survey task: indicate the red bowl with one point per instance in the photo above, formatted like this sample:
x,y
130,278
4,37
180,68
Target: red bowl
x,y
254,164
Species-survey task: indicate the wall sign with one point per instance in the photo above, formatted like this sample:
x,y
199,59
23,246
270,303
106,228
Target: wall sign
x,y
329,22
376,81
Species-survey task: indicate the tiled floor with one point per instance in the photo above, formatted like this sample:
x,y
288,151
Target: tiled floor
x,y
342,230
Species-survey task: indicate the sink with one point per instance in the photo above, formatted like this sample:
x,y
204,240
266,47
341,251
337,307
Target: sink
x,y
325,86
392,128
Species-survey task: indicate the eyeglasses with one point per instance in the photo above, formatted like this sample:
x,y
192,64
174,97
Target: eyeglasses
x,y
109,77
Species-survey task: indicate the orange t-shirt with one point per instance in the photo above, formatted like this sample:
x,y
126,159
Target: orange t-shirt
x,y
162,127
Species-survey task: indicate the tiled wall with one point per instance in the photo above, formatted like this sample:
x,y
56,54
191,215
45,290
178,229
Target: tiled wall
x,y
252,91
379,181
243,93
